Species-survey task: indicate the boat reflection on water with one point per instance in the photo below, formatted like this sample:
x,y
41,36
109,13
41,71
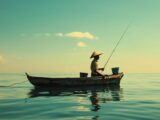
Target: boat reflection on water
x,y
111,93
96,94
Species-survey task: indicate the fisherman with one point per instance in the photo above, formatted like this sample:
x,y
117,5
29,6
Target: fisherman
x,y
95,70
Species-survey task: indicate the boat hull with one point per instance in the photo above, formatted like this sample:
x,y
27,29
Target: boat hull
x,y
84,81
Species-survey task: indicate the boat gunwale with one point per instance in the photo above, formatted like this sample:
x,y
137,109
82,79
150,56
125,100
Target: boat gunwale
x,y
119,75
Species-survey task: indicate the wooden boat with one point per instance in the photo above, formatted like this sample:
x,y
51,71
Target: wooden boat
x,y
79,81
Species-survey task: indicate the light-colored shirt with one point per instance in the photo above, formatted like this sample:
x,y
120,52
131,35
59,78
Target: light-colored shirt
x,y
94,66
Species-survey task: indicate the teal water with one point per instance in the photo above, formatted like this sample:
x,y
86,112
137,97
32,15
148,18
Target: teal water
x,y
137,98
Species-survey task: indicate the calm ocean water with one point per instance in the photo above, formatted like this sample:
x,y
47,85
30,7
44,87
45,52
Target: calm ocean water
x,y
137,98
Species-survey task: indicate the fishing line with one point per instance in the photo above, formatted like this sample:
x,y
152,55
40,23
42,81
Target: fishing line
x,y
11,85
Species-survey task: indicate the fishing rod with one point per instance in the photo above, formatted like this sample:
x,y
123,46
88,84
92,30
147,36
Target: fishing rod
x,y
117,44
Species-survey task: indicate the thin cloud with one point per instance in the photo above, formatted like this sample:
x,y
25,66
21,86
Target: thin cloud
x,y
59,34
86,35
78,35
42,34
47,34
81,44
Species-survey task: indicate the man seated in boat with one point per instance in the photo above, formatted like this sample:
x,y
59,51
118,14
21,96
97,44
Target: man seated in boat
x,y
95,70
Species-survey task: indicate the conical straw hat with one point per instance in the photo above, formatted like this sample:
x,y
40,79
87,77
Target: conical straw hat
x,y
95,53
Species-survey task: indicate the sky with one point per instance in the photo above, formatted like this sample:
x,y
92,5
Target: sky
x,y
58,36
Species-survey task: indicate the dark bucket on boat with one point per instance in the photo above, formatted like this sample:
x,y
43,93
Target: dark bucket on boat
x,y
115,70
82,74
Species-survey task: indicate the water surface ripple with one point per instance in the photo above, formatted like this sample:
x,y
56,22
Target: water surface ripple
x,y
137,98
